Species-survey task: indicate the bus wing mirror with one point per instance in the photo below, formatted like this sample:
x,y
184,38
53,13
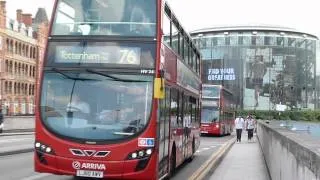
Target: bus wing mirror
x,y
159,89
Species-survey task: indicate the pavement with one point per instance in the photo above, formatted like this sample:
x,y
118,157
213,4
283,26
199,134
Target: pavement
x,y
17,136
16,144
18,124
244,161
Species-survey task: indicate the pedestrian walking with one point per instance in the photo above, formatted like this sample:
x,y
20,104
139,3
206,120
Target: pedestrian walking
x,y
239,124
250,125
1,121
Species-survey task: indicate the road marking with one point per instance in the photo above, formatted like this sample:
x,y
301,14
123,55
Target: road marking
x,y
37,176
212,161
204,149
14,140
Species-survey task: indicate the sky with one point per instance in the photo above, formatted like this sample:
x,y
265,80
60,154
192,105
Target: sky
x,y
196,14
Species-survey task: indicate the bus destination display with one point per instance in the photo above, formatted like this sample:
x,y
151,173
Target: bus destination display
x,y
98,54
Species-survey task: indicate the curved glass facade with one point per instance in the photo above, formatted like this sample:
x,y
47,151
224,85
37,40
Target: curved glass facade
x,y
264,69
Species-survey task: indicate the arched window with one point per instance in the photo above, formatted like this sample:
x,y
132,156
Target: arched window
x,y
27,70
22,89
15,88
18,88
11,46
16,47
19,50
27,51
10,88
19,69
23,50
7,66
15,68
10,67
25,89
34,53
6,87
7,45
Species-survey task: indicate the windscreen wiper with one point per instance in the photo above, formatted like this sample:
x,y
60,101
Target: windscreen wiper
x,y
73,78
123,133
112,77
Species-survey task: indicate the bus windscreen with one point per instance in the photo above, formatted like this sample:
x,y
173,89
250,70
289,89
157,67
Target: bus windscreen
x,y
95,107
105,17
209,115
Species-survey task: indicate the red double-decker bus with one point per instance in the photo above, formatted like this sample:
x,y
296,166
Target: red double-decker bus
x,y
119,93
218,110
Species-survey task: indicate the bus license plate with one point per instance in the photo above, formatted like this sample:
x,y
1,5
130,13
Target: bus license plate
x,y
85,173
204,132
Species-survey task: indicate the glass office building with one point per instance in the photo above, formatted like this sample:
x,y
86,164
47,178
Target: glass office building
x,y
265,67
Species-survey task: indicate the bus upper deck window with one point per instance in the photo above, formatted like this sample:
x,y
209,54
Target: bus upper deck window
x,y
105,17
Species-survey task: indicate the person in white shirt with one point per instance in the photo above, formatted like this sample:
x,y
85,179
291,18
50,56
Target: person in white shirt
x,y
250,126
239,124
77,105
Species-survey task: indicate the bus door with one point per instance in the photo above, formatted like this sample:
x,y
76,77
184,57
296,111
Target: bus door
x,y
186,126
163,134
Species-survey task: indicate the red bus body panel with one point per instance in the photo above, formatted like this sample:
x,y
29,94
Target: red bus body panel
x,y
116,164
211,128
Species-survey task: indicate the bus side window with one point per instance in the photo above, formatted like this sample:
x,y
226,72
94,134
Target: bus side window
x,y
198,111
174,111
180,107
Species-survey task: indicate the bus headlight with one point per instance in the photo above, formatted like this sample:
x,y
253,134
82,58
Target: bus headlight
x,y
140,154
149,151
134,155
217,126
37,145
43,148
48,149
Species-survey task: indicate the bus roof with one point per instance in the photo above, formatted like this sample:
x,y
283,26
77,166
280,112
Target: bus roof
x,y
180,27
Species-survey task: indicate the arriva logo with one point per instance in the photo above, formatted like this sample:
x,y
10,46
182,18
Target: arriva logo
x,y
93,166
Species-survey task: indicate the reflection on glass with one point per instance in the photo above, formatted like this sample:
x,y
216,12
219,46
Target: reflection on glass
x,y
105,17
209,115
94,107
211,91
271,68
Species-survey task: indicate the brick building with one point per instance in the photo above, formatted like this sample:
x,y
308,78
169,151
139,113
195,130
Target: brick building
x,y
22,43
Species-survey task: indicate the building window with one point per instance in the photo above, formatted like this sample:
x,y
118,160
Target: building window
x,y
280,41
7,66
291,42
221,41
10,88
227,40
253,40
214,41
6,87
240,40
267,40
16,48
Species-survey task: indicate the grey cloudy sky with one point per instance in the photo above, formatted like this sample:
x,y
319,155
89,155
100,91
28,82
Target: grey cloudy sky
x,y
195,14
